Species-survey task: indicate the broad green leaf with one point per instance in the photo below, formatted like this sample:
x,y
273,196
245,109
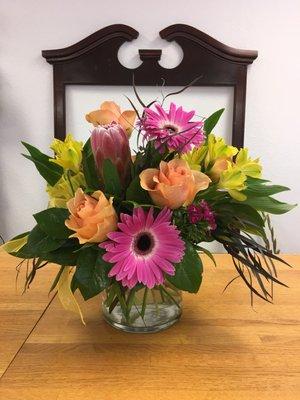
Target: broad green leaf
x,y
92,272
241,211
136,193
269,205
264,191
212,121
67,254
52,222
257,187
208,253
89,167
258,181
188,273
252,229
50,171
111,178
38,244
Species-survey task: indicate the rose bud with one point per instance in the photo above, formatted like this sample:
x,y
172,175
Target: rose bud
x,y
111,142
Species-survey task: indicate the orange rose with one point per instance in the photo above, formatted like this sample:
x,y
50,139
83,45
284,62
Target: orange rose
x,y
110,112
92,217
174,184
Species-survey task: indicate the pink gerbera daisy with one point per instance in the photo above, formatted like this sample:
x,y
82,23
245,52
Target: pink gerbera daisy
x,y
144,248
173,129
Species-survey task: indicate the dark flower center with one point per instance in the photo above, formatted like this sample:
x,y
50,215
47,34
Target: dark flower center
x,y
144,243
170,128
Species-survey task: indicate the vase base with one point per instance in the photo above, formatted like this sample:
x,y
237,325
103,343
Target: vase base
x,y
151,323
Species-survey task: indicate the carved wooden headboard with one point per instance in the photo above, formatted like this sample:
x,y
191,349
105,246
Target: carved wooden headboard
x,y
94,61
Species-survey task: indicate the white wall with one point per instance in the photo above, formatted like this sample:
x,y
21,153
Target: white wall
x,y
272,121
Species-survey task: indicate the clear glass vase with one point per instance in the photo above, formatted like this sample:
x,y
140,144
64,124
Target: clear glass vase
x,y
142,310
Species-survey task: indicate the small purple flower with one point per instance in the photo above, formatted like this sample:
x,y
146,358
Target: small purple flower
x,y
202,212
195,213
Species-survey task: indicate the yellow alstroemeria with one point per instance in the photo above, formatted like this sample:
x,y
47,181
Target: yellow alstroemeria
x,y
218,149
65,293
62,191
233,180
211,158
195,157
248,166
68,153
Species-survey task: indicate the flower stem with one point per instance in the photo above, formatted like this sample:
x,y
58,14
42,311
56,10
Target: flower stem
x,y
130,301
155,300
140,314
170,296
144,303
161,294
70,183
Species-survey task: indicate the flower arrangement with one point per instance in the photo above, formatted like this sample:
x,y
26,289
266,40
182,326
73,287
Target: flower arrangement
x,y
131,227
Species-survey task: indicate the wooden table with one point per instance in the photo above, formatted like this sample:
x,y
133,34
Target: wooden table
x,y
221,348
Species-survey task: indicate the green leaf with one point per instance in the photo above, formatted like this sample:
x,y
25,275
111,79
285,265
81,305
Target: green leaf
x,y
269,205
89,167
50,171
212,121
208,253
256,187
111,178
252,229
136,193
236,210
92,272
52,222
38,243
56,279
188,275
65,255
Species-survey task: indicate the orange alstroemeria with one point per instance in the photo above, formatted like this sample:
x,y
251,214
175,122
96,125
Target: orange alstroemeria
x,y
110,112
174,184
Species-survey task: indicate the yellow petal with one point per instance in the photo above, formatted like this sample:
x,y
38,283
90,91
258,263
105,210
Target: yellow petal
x,y
68,153
217,148
239,196
195,157
66,295
14,245
248,166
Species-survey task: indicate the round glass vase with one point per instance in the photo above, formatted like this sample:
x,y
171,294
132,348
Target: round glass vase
x,y
142,310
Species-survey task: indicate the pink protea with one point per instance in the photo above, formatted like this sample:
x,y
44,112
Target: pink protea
x,y
144,248
172,129
111,142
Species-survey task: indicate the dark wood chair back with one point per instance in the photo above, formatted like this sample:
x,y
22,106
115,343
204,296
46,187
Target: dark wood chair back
x,y
94,61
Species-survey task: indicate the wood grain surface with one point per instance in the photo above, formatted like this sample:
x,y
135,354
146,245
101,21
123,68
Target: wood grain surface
x,y
19,313
221,349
